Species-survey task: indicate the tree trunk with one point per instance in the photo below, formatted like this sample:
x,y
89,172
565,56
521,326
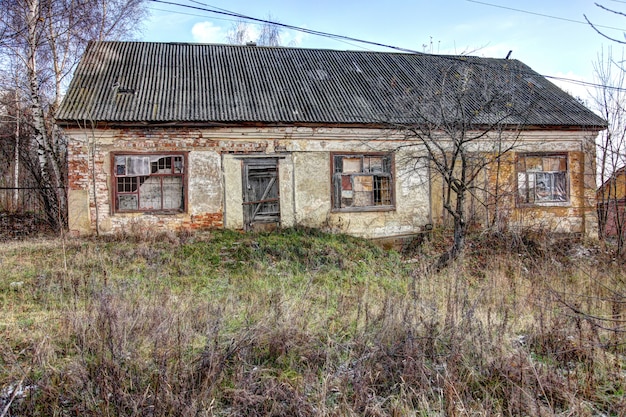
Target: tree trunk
x,y
458,244
51,177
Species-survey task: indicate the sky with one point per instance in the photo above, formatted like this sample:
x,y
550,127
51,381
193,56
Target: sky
x,y
551,36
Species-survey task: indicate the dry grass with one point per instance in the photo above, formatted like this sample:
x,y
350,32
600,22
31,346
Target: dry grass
x,y
300,323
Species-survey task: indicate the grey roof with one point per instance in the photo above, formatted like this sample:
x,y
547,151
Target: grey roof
x,y
145,82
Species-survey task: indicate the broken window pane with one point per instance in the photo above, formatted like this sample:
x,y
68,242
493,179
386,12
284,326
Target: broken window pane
x,y
120,165
374,164
161,165
150,193
544,180
382,191
338,162
172,192
127,185
353,187
149,182
127,202
178,164
351,165
346,182
363,191
534,163
137,165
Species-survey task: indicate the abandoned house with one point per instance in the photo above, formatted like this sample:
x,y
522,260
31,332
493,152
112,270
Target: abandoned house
x,y
245,137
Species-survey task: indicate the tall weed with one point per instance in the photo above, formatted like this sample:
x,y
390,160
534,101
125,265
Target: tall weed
x,y
300,323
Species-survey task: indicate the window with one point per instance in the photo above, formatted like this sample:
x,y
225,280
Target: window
x,y
362,181
149,182
542,178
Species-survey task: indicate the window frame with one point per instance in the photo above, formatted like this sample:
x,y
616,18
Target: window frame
x,y
115,193
525,202
336,177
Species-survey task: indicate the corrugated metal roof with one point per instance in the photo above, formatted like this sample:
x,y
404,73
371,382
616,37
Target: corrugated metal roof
x,y
144,82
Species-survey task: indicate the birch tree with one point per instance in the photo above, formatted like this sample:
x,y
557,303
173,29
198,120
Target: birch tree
x,y
45,39
241,32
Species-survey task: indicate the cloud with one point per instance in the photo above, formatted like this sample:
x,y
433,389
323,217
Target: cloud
x,y
293,38
254,31
207,32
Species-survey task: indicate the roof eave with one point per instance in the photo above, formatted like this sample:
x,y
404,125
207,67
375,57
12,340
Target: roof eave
x,y
113,124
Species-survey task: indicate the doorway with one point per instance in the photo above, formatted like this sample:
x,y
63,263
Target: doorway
x,y
261,199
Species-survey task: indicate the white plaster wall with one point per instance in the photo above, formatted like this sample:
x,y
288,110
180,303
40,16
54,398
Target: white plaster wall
x,y
312,188
233,192
206,192
286,191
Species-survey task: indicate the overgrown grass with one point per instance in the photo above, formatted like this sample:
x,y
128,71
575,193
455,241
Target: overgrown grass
x,y
302,323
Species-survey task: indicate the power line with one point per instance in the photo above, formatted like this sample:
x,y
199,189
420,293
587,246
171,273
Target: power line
x,y
291,27
210,5
242,17
342,38
545,15
584,83
190,14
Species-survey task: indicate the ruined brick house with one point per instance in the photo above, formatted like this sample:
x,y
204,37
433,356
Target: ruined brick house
x,y
244,137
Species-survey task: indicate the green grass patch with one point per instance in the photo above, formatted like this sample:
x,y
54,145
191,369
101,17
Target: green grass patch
x,y
300,322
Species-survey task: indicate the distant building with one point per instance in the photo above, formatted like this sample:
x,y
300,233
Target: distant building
x,y
612,203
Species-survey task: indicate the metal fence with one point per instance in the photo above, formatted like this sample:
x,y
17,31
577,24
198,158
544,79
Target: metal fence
x,y
23,212
22,200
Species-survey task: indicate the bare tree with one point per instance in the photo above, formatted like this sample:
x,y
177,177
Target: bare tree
x,y
467,121
242,33
597,27
270,33
610,102
44,40
239,33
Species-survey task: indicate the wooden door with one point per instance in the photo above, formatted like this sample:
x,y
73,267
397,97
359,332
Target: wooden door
x,y
261,202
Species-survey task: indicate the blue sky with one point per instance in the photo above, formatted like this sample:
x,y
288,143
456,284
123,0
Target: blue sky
x,y
554,44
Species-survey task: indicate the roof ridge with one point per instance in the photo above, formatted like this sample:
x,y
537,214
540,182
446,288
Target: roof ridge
x,y
286,47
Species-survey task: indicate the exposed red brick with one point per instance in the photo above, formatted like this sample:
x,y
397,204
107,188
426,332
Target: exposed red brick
x,y
204,221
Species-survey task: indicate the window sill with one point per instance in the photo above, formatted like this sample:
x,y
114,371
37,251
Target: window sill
x,y
546,204
363,209
153,213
